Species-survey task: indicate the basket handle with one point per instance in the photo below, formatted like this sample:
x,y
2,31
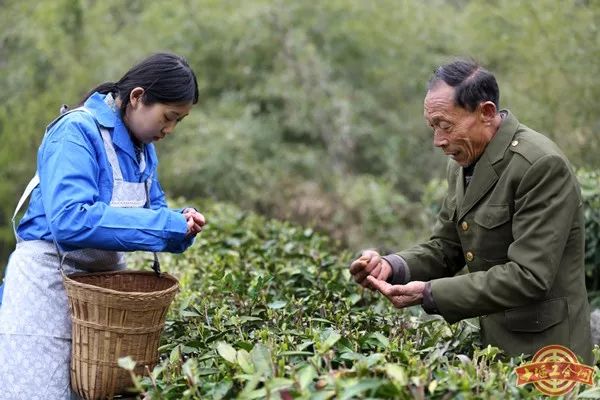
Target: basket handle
x,y
155,264
61,257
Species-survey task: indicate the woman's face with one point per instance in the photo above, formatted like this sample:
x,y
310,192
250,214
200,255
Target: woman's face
x,y
149,123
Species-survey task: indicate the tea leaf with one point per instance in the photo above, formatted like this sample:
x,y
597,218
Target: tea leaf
x,y
245,362
126,363
397,374
261,357
226,351
277,304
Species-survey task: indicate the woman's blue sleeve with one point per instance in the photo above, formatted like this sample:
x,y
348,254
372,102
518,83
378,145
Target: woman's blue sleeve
x,y
69,169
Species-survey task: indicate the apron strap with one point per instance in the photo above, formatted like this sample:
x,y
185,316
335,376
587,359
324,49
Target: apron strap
x,y
36,178
30,186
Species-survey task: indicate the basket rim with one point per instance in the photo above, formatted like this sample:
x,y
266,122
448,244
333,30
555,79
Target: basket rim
x,y
68,279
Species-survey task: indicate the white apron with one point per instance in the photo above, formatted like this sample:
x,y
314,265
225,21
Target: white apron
x,y
35,322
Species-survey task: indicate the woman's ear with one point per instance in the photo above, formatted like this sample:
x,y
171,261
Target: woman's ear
x,y
136,96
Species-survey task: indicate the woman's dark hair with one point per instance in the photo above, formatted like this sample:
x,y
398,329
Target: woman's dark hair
x,y
165,78
473,84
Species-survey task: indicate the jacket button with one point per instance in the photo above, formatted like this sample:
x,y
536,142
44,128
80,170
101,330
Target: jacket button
x,y
464,225
469,256
514,143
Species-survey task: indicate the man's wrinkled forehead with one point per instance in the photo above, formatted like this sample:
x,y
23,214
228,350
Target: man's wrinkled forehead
x,y
438,98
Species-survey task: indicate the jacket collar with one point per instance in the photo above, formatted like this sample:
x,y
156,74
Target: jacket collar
x,y
105,114
496,148
109,116
484,175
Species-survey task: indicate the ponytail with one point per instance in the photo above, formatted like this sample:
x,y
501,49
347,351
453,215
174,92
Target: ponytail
x,y
104,88
166,78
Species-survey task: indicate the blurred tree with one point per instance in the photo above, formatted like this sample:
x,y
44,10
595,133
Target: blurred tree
x,y
309,111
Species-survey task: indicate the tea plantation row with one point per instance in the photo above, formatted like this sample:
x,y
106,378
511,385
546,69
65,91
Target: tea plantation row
x,y
268,310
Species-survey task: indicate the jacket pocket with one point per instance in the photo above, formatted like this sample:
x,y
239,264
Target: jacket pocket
x,y
525,330
537,317
492,233
492,216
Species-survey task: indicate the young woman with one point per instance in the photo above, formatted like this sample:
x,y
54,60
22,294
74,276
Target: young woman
x,y
94,196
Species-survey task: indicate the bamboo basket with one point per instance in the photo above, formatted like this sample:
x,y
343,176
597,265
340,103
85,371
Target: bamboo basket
x,y
115,314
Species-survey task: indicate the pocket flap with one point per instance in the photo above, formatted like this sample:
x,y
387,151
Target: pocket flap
x,y
537,317
491,216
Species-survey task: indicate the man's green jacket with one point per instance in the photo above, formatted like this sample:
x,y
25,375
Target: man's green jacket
x,y
519,229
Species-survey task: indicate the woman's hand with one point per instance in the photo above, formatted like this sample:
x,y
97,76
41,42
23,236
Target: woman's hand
x,y
195,221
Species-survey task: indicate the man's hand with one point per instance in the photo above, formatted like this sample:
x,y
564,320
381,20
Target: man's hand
x,y
371,264
195,221
400,295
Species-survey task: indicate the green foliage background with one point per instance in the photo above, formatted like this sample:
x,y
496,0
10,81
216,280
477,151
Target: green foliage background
x,y
310,111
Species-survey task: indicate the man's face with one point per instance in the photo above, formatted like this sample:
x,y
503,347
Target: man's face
x,y
461,134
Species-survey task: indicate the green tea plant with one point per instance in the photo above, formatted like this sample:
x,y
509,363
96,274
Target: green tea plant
x,y
590,190
267,309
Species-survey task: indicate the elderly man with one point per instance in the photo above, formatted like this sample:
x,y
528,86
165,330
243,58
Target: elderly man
x,y
513,215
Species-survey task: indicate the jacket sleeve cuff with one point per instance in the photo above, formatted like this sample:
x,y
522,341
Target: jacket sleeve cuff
x,y
400,272
175,233
429,305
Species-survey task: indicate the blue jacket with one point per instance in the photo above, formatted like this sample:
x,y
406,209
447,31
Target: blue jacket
x,y
71,203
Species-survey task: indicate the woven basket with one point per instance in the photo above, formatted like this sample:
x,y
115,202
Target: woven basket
x,y
115,314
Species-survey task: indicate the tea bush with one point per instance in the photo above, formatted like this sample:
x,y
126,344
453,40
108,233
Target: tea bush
x,y
590,190
267,309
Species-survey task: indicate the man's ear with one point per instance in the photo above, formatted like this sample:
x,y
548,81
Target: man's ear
x,y
136,96
487,111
